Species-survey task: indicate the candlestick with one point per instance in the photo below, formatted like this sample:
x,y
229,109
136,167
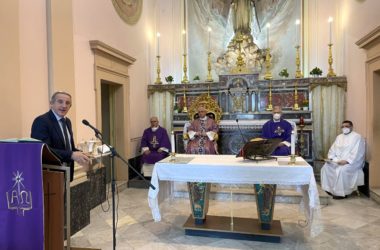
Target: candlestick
x,y
297,32
268,26
209,39
172,142
158,43
292,143
330,30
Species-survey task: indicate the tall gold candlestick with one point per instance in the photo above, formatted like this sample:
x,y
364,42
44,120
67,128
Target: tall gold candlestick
x,y
184,78
298,63
184,110
295,106
209,76
268,65
270,107
158,79
331,72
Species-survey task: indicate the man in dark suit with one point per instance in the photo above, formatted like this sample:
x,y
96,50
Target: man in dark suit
x,y
54,129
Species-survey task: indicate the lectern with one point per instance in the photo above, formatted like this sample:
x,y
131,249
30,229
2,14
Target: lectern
x,y
33,189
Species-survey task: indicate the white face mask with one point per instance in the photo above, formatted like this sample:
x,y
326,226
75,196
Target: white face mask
x,y
346,131
276,116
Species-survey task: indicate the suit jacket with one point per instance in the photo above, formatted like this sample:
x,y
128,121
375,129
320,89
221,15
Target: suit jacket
x,y
47,129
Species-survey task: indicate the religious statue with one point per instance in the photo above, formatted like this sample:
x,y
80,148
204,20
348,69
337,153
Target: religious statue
x,y
241,11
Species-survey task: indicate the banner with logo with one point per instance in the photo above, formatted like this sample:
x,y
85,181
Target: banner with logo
x,y
21,196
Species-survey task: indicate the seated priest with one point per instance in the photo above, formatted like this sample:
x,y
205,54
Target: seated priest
x,y
343,170
278,128
202,133
155,145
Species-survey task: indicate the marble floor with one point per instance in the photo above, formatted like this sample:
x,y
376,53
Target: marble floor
x,y
352,223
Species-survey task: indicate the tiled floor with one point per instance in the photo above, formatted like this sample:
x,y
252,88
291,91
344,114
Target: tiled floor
x,y
352,223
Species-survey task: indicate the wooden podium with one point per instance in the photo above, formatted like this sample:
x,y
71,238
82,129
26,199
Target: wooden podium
x,y
56,184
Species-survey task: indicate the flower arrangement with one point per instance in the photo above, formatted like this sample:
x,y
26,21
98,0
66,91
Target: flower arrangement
x,y
284,73
316,72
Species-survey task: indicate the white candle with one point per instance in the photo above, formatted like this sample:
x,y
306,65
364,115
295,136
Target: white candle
x,y
330,30
209,39
172,142
158,43
292,143
268,26
184,41
297,32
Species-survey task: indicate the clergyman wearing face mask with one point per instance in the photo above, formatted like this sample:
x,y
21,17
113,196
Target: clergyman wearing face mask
x,y
342,172
278,128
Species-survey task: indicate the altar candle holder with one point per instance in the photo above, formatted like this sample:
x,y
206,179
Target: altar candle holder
x,y
172,142
158,79
295,106
209,76
331,72
270,106
185,79
292,160
184,110
302,139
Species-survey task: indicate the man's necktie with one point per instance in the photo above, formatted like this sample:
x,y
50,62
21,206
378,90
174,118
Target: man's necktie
x,y
65,135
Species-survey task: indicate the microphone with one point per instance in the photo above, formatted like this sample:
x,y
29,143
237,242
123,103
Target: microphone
x,y
85,122
241,133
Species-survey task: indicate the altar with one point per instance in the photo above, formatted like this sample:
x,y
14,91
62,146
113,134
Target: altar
x,y
246,98
228,169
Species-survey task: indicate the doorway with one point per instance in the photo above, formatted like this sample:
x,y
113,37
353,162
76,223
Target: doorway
x,y
108,118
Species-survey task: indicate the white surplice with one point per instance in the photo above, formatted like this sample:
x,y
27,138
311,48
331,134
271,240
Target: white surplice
x,y
341,180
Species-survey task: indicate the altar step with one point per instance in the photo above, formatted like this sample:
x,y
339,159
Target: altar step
x,y
284,194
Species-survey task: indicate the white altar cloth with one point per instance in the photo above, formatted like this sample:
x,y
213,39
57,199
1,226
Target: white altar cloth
x,y
228,169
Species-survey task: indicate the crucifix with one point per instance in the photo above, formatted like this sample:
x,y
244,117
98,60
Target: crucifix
x,y
154,142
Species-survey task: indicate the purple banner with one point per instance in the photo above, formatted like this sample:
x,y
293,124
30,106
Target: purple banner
x,y
21,196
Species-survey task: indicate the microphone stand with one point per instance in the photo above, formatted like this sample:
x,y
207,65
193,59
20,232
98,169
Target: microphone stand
x,y
113,182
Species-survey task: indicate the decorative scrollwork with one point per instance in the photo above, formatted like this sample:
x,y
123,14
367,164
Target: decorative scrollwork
x,y
209,103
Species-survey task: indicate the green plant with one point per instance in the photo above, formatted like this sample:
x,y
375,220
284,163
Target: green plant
x,y
196,78
169,78
316,72
305,102
284,73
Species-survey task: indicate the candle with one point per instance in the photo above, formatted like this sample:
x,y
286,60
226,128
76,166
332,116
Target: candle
x,y
184,41
330,30
268,26
172,142
297,32
209,39
158,43
293,143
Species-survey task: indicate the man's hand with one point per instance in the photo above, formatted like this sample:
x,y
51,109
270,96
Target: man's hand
x,y
342,162
80,157
146,152
159,150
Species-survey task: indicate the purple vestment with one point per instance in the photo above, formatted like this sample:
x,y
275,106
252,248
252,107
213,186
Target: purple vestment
x,y
202,144
281,129
155,140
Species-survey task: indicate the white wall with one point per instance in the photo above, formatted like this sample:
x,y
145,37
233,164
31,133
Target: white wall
x,y
352,20
98,20
359,18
